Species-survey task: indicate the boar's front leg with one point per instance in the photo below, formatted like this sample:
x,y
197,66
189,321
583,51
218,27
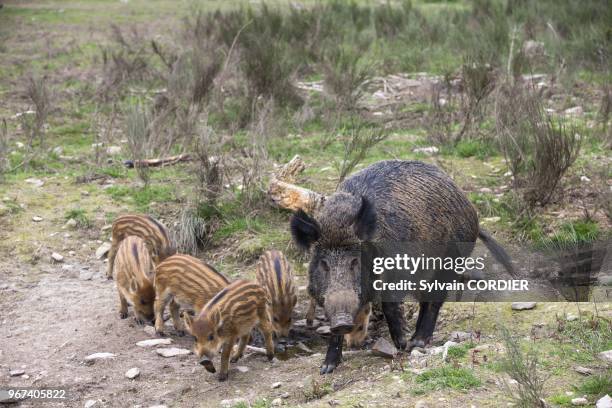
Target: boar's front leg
x,y
334,354
426,323
395,320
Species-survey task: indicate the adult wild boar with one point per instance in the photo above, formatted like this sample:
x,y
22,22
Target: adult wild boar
x,y
390,201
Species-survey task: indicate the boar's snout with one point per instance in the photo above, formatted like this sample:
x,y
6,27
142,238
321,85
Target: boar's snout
x,y
341,306
341,323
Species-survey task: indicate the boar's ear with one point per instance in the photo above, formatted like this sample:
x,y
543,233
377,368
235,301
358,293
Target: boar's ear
x,y
365,221
304,230
133,286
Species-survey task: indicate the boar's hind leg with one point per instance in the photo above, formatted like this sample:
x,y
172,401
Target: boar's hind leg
x,y
426,323
241,346
395,320
334,354
123,306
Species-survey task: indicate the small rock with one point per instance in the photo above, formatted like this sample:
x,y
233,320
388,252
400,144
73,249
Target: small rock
x,y
16,373
58,151
113,150
36,218
434,351
605,356
242,369
34,181
486,190
604,402
533,48
583,370
285,395
571,317
150,330
383,348
324,330
575,111
103,250
90,403
86,275
277,402
304,347
100,356
227,403
491,219
523,305
430,150
460,336
277,385
154,342
508,174
421,404
585,179
71,223
580,401
172,352
55,257
132,373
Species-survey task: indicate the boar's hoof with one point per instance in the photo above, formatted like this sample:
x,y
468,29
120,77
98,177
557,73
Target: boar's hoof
x,y
328,368
222,376
123,315
309,322
416,343
180,333
401,343
270,356
235,358
139,321
209,366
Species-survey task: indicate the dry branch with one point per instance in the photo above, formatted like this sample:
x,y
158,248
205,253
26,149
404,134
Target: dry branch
x,y
284,194
164,161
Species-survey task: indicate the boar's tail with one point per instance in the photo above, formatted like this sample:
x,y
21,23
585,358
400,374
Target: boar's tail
x,y
498,252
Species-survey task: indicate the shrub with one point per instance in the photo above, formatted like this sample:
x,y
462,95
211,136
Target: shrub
x,y
38,94
4,147
538,148
358,139
525,369
138,132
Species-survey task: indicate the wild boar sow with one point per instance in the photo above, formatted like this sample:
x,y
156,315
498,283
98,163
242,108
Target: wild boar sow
x,y
390,201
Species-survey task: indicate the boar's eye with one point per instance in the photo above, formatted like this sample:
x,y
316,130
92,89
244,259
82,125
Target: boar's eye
x,y
324,265
143,302
275,319
211,337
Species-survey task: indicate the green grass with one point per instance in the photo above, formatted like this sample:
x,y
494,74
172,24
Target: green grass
x,y
597,385
474,148
141,198
440,378
460,351
80,216
561,400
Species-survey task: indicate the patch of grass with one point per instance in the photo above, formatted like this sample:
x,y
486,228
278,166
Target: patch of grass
x,y
317,390
236,225
446,377
561,399
474,147
141,197
597,385
592,335
460,351
80,216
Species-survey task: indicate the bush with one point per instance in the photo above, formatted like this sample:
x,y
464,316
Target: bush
x,y
138,132
538,148
4,147
358,139
38,94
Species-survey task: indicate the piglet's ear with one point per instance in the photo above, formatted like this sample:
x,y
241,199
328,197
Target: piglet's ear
x,y
304,230
133,286
365,221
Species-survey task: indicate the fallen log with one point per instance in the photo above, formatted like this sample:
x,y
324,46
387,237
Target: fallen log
x,y
284,194
165,161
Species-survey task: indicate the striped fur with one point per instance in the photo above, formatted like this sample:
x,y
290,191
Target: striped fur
x,y
154,233
134,268
274,275
359,333
183,280
227,317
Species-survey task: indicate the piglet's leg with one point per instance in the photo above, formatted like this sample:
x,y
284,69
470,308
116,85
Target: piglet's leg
x,y
310,314
334,354
111,261
160,304
266,328
225,355
123,306
176,319
241,346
